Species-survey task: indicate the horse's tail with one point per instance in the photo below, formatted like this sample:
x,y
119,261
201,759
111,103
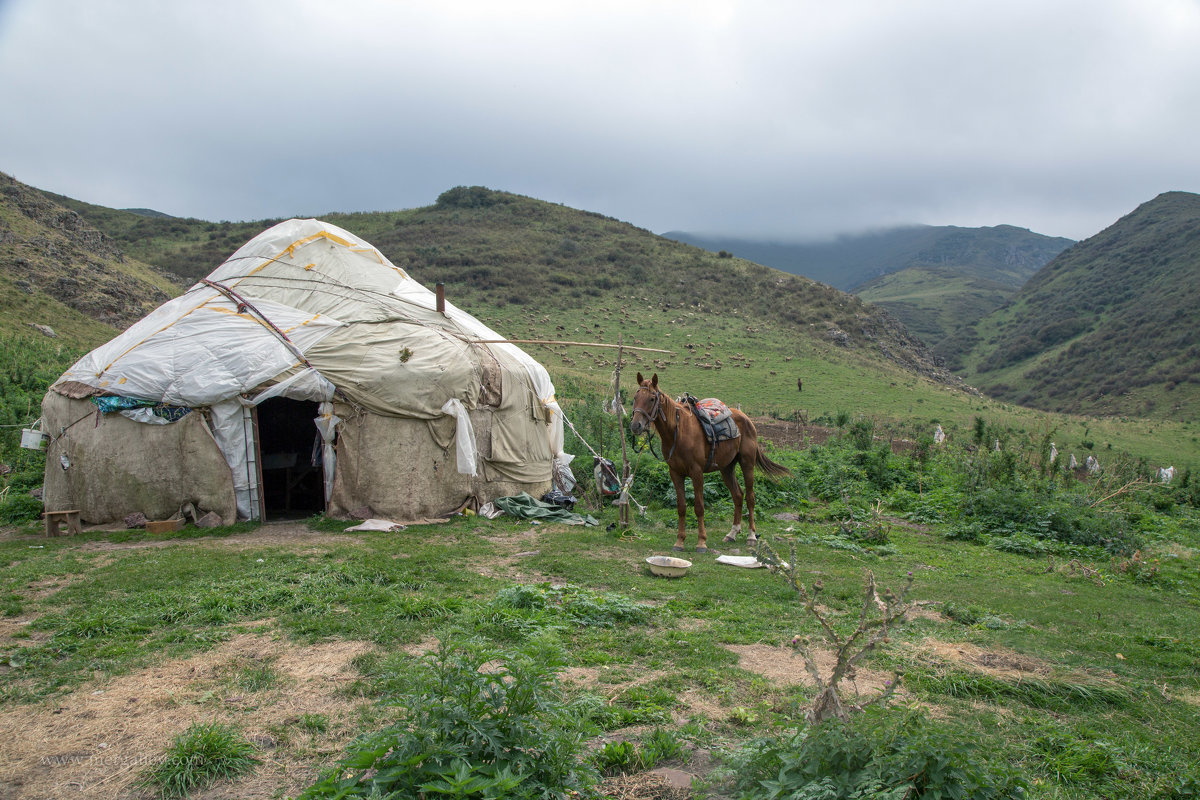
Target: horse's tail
x,y
769,467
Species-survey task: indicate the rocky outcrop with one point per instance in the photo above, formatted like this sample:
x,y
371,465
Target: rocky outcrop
x,y
50,250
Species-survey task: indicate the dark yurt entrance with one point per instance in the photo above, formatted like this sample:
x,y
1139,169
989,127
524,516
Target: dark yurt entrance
x,y
289,453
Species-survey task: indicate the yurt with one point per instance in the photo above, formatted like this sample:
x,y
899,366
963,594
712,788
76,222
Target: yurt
x,y
306,374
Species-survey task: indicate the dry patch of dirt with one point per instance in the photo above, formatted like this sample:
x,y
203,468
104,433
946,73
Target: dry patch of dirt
x,y
783,666
290,535
95,742
515,548
426,645
925,612
909,524
1004,664
643,786
511,568
692,703
9,626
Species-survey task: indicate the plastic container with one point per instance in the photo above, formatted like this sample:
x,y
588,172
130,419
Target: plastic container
x,y
33,439
668,567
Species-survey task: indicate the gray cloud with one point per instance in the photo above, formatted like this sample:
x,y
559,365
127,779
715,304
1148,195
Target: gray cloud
x,y
789,119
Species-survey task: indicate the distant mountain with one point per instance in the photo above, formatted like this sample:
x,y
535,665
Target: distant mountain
x,y
60,274
1110,326
1003,255
933,279
147,212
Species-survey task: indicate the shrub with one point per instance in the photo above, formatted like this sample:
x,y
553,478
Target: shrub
x,y
479,724
20,508
624,756
870,756
470,197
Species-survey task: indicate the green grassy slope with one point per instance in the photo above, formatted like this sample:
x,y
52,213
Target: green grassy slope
x,y
934,302
1109,327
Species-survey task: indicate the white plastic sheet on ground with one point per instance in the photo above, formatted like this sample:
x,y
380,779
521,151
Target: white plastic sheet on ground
x,y
747,562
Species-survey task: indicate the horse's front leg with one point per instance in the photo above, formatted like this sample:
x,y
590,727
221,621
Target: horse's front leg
x,y
681,507
698,505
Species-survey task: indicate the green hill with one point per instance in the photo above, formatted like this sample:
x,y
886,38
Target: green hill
x,y
934,302
1110,326
540,270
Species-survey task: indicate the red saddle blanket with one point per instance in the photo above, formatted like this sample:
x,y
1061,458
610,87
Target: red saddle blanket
x,y
715,418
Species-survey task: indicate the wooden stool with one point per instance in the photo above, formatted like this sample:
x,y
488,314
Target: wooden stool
x,y
56,518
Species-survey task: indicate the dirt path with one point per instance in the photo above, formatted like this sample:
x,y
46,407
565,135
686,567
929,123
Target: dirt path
x,y
96,741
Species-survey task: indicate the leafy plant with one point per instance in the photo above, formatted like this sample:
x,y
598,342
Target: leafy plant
x,y
201,755
19,508
871,756
620,756
478,723
314,723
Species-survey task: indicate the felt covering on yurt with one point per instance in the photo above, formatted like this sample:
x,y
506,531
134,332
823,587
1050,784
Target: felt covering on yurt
x,y
307,311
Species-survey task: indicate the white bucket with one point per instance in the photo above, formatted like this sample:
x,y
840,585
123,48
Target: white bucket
x,y
33,440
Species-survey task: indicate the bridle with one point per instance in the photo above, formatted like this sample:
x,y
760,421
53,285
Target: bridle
x,y
656,410
654,413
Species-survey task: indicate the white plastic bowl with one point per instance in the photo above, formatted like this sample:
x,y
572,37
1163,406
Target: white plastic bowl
x,y
668,567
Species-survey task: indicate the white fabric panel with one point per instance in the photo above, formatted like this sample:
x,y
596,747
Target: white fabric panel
x,y
230,427
144,415
307,384
327,424
196,350
464,439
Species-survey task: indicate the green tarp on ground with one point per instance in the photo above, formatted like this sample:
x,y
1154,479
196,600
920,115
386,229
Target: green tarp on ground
x,y
529,507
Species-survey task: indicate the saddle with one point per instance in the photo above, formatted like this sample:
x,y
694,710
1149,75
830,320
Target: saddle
x,y
716,420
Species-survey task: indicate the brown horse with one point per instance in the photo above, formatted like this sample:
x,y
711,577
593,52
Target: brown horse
x,y
688,454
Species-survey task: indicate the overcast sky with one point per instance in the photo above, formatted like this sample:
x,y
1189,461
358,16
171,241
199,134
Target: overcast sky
x,y
781,119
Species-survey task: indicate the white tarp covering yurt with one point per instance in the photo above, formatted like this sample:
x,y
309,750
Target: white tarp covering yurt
x,y
412,415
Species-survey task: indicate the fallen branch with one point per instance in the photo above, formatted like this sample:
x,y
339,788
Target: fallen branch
x,y
1136,483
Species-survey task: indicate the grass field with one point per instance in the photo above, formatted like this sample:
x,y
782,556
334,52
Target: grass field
x,y
1069,665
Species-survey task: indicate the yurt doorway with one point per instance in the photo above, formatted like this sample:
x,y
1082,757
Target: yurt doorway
x,y
289,457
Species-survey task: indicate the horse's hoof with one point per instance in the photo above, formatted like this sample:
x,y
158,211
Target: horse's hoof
x,y
677,548
731,537
701,549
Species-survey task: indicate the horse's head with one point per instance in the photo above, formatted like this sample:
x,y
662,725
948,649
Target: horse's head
x,y
647,404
